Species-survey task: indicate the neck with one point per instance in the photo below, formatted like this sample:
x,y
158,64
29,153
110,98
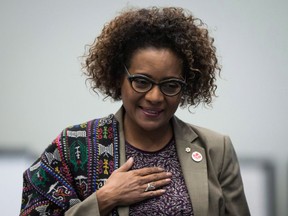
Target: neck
x,y
147,140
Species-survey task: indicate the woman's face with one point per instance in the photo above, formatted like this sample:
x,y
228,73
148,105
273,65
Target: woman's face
x,y
151,110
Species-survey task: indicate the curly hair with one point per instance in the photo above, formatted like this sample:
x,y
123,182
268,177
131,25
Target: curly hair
x,y
168,27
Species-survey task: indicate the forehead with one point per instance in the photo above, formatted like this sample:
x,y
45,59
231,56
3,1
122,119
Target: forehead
x,y
152,61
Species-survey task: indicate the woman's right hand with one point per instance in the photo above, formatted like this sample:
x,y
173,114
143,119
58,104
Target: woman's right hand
x,y
125,187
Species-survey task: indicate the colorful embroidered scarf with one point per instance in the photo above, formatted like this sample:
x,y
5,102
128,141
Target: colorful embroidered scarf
x,y
75,165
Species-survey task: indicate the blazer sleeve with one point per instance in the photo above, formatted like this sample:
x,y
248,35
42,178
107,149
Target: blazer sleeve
x,y
231,182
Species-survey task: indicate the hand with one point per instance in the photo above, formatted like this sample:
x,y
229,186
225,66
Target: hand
x,y
125,187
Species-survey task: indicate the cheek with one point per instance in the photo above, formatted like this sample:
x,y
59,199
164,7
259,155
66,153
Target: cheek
x,y
176,99
124,88
127,93
174,102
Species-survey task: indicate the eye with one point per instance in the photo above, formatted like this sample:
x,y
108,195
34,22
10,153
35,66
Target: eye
x,y
140,82
172,85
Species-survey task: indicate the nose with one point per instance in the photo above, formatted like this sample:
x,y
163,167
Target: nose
x,y
154,95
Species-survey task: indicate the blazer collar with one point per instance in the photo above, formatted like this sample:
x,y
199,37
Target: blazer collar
x,y
195,173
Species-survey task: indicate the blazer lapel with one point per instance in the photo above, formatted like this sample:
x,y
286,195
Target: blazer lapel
x,y
195,173
122,210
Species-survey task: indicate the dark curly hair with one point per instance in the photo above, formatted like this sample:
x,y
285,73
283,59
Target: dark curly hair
x,y
169,27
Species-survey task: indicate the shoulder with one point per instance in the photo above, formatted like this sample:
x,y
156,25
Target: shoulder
x,y
218,147
81,134
86,125
212,141
199,132
211,138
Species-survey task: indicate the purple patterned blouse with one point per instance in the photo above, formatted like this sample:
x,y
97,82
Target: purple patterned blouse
x,y
176,199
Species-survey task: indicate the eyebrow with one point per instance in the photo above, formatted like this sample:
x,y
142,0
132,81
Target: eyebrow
x,y
150,77
166,78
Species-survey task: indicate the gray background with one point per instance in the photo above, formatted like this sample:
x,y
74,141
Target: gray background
x,y
42,89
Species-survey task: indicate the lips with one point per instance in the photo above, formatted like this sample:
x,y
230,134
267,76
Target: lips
x,y
153,112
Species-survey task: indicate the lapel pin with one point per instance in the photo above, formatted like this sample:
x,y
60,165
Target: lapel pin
x,y
197,156
188,149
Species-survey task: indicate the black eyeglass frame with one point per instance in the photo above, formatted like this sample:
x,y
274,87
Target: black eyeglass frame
x,y
132,77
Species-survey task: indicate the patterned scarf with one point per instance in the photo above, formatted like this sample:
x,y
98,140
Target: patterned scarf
x,y
75,165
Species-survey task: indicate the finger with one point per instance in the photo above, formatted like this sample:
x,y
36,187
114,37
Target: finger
x,y
156,185
161,183
126,166
155,193
148,171
157,176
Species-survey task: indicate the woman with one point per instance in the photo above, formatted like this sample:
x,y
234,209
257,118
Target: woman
x,y
143,160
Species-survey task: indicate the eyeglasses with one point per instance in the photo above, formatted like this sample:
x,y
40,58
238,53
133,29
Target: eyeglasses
x,y
142,84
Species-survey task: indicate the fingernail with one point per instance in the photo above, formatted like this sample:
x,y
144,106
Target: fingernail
x,y
169,174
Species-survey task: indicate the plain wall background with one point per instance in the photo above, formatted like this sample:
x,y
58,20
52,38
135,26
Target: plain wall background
x,y
42,90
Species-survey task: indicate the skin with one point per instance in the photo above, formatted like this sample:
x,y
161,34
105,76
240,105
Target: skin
x,y
146,126
146,121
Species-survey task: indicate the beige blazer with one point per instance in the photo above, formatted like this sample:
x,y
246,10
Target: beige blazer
x,y
214,184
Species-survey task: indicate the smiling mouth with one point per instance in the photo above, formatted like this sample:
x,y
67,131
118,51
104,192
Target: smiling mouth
x,y
152,112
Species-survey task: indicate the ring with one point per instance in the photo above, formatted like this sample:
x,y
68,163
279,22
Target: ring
x,y
150,187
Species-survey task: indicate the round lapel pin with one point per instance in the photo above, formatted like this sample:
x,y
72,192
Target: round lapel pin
x,y
197,156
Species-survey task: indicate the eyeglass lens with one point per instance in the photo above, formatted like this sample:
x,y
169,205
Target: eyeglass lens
x,y
167,87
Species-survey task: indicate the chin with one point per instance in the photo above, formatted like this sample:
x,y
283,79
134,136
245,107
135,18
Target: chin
x,y
151,126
